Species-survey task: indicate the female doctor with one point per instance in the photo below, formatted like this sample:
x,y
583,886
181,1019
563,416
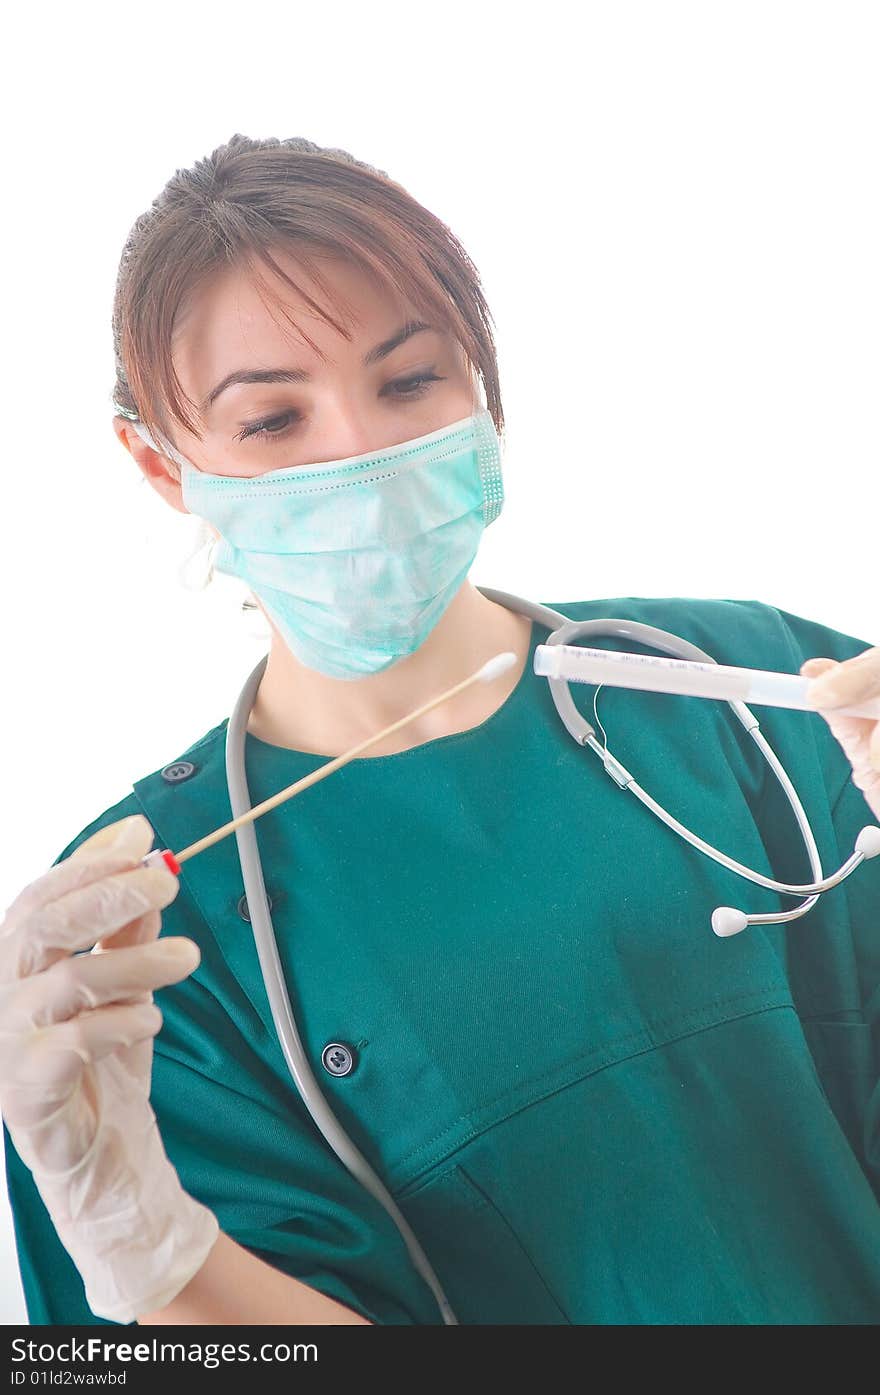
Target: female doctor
x,y
587,1107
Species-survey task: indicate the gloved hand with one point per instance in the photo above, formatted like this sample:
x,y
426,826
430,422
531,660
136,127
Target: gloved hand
x,y
76,1057
837,685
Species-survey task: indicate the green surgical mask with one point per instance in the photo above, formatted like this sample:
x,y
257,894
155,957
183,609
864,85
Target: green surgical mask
x,y
356,560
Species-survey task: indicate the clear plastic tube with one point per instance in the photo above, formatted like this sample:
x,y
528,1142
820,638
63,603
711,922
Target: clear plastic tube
x,y
578,664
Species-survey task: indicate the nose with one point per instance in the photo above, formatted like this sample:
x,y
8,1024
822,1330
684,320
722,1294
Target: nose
x,y
352,431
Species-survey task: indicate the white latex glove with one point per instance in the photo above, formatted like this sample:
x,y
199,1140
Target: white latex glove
x,y
837,685
76,1057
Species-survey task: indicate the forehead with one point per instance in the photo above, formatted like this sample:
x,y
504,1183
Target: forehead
x,y
229,321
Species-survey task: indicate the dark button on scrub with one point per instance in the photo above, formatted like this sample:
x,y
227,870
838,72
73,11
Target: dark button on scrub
x,y
177,771
337,1058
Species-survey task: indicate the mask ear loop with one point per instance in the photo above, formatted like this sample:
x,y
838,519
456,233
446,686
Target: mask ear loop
x,y
196,572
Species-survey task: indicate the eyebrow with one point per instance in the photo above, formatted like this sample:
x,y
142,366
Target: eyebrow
x,y
299,375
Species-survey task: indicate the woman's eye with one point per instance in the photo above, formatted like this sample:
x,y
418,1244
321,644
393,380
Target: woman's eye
x,y
275,428
263,428
414,387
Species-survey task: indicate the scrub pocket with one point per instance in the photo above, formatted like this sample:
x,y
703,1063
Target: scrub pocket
x,y
486,1273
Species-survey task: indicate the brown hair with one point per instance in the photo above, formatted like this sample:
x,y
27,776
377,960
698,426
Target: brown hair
x,y
249,196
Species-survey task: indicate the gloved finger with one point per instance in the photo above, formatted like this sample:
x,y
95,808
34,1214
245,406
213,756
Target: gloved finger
x,y
848,682
53,1131
92,1035
49,1064
142,931
854,735
35,1081
79,983
77,920
137,1060
859,676
111,849
134,831
813,667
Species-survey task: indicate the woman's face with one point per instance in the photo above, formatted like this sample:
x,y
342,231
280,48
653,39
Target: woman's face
x,y
364,395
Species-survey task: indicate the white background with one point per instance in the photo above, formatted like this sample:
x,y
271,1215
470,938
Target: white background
x,y
675,211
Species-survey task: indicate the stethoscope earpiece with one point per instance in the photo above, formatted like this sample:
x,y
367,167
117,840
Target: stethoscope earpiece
x,y
727,921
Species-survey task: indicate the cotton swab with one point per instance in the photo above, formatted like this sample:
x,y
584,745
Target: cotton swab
x,y
490,670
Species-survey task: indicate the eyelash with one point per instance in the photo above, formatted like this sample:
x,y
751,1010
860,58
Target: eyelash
x,y
258,430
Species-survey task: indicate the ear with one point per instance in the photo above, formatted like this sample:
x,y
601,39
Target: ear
x,y
157,469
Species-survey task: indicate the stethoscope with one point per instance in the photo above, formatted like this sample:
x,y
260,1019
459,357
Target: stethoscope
x,y
725,919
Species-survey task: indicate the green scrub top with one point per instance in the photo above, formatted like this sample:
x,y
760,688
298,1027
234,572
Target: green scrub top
x,y
589,1107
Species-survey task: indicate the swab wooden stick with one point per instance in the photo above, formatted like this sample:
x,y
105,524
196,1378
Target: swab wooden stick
x,y
493,667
